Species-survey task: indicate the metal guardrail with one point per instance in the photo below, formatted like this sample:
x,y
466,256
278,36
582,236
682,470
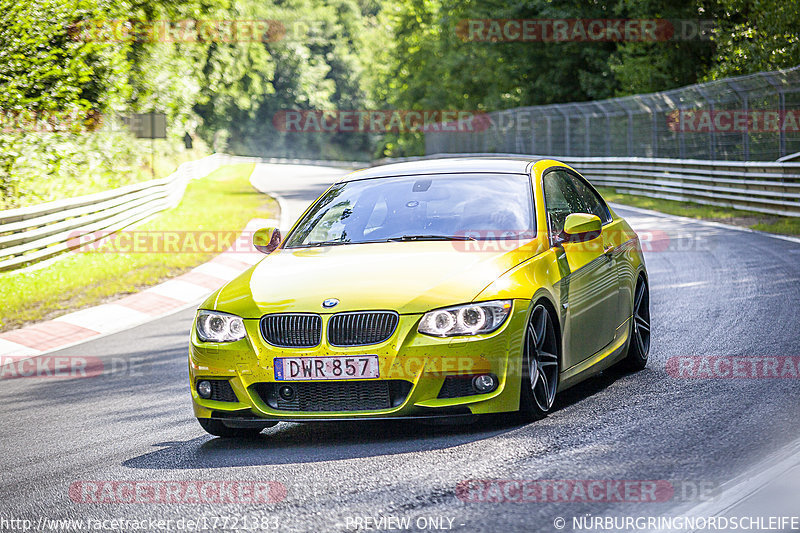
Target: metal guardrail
x,y
771,188
34,233
763,187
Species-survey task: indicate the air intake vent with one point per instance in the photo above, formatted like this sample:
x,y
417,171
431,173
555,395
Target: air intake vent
x,y
292,330
457,386
334,395
221,390
361,328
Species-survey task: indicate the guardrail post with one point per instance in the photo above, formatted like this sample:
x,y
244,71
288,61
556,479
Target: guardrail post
x,y
654,121
681,139
565,116
781,112
712,137
608,129
742,95
587,151
630,131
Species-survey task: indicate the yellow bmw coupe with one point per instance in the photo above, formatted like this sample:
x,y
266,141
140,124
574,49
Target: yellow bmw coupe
x,y
434,288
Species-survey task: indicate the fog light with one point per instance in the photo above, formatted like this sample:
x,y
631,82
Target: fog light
x,y
484,383
204,389
286,392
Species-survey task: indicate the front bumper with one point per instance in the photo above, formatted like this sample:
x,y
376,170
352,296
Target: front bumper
x,y
413,367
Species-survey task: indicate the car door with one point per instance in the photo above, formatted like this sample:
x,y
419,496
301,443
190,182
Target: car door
x,y
589,287
613,238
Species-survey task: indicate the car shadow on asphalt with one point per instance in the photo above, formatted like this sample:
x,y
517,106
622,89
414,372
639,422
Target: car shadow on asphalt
x,y
293,443
590,387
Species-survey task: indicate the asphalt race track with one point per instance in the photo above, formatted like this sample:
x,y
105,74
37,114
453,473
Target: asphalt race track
x,y
714,292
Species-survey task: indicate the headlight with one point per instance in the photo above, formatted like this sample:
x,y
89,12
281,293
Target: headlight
x,y
469,319
213,326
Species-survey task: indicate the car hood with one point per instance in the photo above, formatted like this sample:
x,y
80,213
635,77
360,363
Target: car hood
x,y
408,277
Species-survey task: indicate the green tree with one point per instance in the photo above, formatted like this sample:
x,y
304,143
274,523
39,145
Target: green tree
x,y
755,36
644,67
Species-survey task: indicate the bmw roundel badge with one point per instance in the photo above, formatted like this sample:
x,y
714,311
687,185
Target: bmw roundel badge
x,y
330,302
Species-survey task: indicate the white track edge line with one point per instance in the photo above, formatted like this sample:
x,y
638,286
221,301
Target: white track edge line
x,y
187,305
745,485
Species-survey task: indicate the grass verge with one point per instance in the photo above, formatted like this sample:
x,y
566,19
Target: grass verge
x,y
747,219
222,201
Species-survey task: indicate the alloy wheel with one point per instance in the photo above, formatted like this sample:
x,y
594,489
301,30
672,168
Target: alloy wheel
x,y
541,351
641,319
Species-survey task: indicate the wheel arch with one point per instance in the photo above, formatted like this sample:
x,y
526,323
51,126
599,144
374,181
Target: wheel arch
x,y
641,273
545,298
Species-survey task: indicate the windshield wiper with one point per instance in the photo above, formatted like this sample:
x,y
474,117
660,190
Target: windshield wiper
x,y
404,238
334,243
325,243
432,238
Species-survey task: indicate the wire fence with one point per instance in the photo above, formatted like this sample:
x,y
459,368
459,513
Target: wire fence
x,y
746,118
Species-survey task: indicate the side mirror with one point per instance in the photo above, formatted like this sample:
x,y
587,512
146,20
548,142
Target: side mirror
x,y
266,240
581,227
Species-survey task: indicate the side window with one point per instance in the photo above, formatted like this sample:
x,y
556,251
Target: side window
x,y
592,203
561,199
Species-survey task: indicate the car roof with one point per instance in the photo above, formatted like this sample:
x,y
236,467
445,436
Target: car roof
x,y
455,165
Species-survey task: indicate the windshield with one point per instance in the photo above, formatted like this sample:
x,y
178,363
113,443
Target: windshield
x,y
429,207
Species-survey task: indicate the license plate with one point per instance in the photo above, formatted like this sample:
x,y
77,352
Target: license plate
x,y
331,367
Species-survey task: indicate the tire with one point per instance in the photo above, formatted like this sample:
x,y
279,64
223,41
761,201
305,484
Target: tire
x,y
639,333
218,429
540,365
